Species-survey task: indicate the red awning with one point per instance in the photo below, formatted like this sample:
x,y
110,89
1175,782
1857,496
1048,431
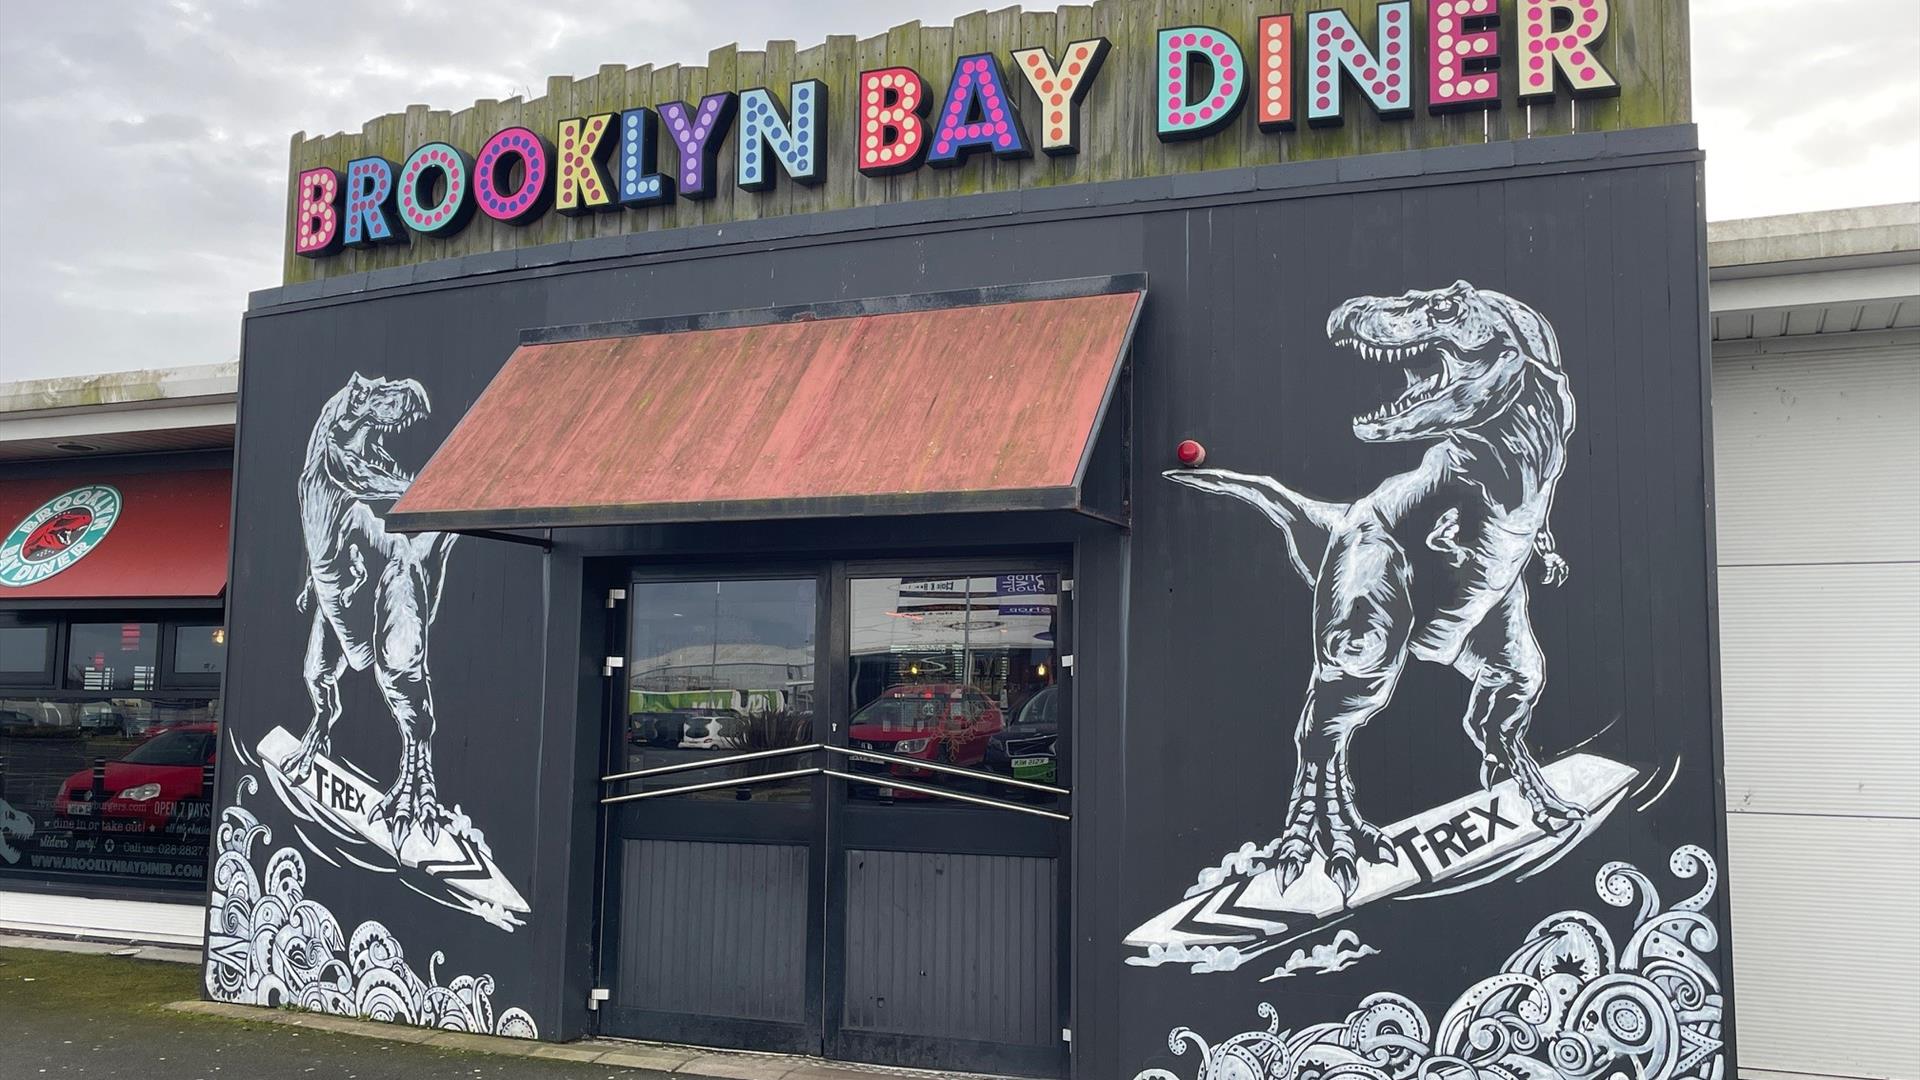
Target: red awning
x,y
977,407
121,536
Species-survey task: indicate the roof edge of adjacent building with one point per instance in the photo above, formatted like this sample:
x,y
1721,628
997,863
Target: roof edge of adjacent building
x,y
1855,236
118,391
120,412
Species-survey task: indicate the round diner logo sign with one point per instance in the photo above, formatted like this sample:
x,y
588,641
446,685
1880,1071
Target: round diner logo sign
x,y
57,535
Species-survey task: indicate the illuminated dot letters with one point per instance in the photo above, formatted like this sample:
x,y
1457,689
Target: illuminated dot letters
x,y
640,181
1202,81
510,151
1463,55
978,114
794,141
697,132
371,215
1560,35
1060,87
436,190
1273,89
583,182
893,135
317,213
1381,72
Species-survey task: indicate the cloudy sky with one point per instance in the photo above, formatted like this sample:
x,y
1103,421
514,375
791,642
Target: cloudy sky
x,y
145,141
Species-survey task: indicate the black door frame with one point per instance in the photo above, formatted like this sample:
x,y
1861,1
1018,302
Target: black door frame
x,y
712,822
945,829
829,834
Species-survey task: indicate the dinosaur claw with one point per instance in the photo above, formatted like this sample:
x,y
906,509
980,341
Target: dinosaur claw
x,y
1290,871
1556,819
1344,874
1383,853
1490,769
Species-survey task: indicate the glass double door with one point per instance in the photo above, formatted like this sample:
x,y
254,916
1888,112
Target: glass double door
x,y
837,812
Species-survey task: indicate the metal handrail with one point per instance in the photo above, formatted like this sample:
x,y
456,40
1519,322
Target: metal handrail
x,y
689,766
711,784
942,793
916,763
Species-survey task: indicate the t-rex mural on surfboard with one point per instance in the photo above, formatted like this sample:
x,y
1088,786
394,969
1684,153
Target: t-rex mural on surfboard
x,y
373,594
1429,564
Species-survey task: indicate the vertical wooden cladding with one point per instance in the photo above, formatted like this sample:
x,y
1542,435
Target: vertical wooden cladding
x,y
953,946
714,929
1645,49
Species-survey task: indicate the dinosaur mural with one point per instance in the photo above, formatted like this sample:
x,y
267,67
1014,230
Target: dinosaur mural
x,y
373,594
1571,1003
1431,564
14,825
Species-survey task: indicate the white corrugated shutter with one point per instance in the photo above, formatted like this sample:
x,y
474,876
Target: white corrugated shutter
x,y
1818,481
108,920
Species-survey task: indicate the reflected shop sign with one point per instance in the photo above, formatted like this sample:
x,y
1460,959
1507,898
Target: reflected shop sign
x,y
1313,69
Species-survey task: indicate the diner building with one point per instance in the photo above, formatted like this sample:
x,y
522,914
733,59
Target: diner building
x,y
1146,540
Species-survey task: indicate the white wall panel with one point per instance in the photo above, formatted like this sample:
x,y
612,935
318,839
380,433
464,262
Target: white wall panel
x,y
111,920
1818,455
1826,944
1818,497
1820,677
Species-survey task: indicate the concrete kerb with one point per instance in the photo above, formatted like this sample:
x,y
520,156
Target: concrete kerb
x,y
681,1060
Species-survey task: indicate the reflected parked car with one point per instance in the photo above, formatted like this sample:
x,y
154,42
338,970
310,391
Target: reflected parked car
x,y
933,722
1028,749
150,783
103,718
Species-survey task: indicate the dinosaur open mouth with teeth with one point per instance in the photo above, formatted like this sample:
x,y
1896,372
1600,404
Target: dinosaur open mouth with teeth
x,y
1424,364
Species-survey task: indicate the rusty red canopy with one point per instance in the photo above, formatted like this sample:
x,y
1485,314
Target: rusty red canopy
x,y
986,406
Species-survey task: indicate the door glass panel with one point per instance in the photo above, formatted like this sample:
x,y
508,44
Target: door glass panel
x,y
957,670
720,668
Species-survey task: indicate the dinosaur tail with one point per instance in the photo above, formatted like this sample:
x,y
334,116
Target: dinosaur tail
x,y
1306,523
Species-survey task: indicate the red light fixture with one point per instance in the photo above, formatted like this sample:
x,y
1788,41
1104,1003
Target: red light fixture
x,y
1190,453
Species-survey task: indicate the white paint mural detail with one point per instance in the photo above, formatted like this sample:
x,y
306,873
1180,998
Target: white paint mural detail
x,y
14,825
1484,386
269,944
373,596
1569,1004
1244,907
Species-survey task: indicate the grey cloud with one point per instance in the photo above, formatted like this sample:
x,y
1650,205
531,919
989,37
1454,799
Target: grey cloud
x,y
147,139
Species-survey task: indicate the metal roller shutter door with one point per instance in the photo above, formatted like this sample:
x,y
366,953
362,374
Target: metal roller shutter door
x,y
1818,481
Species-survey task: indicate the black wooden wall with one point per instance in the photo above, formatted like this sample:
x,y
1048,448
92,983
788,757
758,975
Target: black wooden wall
x,y
1194,631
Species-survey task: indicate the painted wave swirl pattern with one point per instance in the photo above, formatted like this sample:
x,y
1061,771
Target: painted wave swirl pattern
x,y
1569,1003
270,945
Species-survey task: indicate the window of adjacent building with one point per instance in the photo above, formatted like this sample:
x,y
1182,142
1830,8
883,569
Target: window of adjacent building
x,y
26,652
113,656
109,728
199,654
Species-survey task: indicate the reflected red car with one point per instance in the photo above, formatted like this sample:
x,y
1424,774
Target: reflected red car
x,y
932,721
150,783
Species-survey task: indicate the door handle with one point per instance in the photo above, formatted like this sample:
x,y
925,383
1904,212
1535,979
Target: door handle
x,y
951,770
711,763
943,793
709,785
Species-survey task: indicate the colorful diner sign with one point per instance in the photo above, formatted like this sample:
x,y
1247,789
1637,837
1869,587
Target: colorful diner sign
x,y
1315,67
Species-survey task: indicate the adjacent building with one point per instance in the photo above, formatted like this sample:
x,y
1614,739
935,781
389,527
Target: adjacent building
x,y
115,494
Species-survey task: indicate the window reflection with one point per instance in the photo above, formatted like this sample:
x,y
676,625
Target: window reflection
x,y
958,671
720,668
108,786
